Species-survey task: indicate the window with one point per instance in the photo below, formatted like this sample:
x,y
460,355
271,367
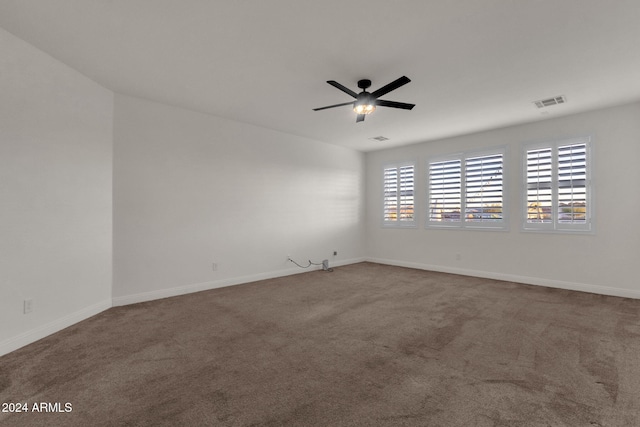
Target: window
x,y
558,186
466,191
445,191
398,202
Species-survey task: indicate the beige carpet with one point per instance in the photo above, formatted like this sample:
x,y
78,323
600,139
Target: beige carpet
x,y
366,345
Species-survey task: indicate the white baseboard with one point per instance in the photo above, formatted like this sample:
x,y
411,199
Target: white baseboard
x,y
14,343
582,287
40,332
205,286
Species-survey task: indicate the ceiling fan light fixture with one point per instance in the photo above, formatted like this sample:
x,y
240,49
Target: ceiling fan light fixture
x,y
364,108
365,103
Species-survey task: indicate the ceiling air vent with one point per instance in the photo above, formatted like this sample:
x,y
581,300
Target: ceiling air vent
x,y
379,138
550,101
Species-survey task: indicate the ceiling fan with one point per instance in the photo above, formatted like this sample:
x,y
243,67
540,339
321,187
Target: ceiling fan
x,y
366,102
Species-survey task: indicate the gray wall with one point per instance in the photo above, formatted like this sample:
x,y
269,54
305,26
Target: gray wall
x,y
192,189
602,262
55,185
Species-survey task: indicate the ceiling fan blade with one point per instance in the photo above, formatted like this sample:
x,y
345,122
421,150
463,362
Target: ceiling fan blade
x,y
393,104
331,106
391,86
360,118
342,88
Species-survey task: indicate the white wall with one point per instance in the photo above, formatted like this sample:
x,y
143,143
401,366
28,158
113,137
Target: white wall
x,y
604,262
55,187
192,189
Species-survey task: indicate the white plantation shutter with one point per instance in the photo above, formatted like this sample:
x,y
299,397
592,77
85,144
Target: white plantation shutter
x,y
445,191
483,188
572,184
467,191
558,186
391,194
398,200
405,212
539,193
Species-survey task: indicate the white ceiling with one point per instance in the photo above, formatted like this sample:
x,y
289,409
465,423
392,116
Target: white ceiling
x,y
474,65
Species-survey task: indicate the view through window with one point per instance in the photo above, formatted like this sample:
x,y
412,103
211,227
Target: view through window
x,y
557,186
467,191
399,194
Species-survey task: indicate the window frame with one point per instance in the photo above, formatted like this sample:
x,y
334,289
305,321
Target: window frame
x,y
463,224
399,223
556,226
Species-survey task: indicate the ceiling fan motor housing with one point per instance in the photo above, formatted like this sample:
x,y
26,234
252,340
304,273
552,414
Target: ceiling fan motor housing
x,y
365,102
365,98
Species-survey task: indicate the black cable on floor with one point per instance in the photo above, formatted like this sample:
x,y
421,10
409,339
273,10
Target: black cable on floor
x,y
310,264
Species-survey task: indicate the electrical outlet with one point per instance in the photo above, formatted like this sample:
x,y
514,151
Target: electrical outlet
x,y
28,306
214,266
288,257
335,253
